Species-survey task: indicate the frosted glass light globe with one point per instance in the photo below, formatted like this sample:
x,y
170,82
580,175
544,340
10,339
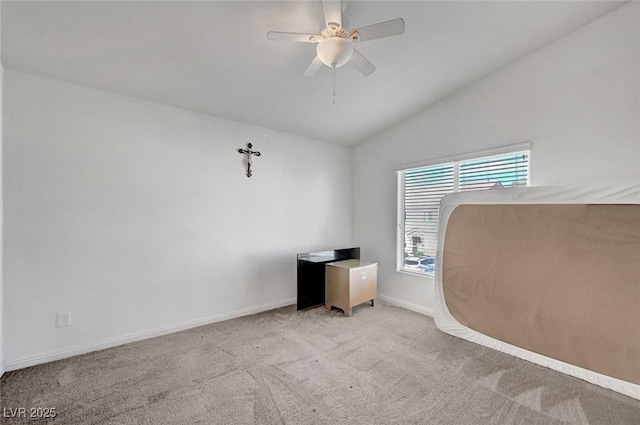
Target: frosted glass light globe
x,y
334,51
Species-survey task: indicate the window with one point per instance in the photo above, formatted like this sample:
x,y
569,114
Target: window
x,y
420,190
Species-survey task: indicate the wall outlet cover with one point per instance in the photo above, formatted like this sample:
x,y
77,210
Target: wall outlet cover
x,y
63,319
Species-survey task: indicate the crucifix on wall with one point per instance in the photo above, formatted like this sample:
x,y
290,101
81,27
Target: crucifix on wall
x,y
249,153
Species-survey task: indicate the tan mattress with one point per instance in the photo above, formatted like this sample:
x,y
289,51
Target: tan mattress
x,y
556,283
559,280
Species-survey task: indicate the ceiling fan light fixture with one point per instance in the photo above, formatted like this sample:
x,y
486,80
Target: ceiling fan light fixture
x,y
335,43
334,51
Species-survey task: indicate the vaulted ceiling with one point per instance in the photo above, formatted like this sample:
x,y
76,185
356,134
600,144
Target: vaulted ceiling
x,y
214,57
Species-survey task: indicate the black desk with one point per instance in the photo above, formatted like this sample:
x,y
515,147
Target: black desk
x,y
311,275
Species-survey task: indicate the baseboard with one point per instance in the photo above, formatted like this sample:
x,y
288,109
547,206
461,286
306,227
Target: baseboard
x,y
138,336
409,306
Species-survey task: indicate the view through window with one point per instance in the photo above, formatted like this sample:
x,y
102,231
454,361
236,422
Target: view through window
x,y
421,189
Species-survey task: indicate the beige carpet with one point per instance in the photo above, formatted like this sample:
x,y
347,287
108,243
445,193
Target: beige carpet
x,y
384,365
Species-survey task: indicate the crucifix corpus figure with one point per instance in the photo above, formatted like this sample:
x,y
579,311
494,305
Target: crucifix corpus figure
x,y
249,153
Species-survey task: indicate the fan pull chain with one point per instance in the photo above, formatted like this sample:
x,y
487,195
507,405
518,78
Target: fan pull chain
x,y
334,85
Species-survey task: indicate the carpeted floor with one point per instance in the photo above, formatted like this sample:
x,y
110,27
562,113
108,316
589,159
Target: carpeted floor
x,y
385,365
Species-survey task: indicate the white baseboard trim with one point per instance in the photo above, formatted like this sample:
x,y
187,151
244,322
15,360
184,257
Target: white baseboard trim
x,y
409,306
138,336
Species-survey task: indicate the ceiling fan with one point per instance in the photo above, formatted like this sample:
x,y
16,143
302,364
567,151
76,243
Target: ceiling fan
x,y
335,43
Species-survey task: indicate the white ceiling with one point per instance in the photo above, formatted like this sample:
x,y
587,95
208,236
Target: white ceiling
x,y
214,57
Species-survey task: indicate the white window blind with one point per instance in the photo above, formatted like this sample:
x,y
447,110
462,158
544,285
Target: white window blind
x,y
423,189
420,190
494,172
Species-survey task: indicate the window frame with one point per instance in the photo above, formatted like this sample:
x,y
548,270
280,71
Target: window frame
x,y
455,160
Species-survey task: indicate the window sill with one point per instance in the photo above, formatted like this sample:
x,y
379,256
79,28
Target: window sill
x,y
418,274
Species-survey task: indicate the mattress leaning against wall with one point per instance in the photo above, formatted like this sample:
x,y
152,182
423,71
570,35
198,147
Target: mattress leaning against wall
x,y
548,274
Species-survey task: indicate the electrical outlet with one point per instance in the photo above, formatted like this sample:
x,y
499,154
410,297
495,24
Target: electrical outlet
x,y
63,319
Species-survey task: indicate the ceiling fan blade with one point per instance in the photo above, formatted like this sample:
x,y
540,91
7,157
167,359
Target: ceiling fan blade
x,y
365,67
332,11
313,68
380,30
293,36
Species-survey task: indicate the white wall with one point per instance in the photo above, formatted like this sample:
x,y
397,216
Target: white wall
x,y
1,218
577,101
137,216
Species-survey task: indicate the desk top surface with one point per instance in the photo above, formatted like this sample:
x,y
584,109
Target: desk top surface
x,y
351,264
329,256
